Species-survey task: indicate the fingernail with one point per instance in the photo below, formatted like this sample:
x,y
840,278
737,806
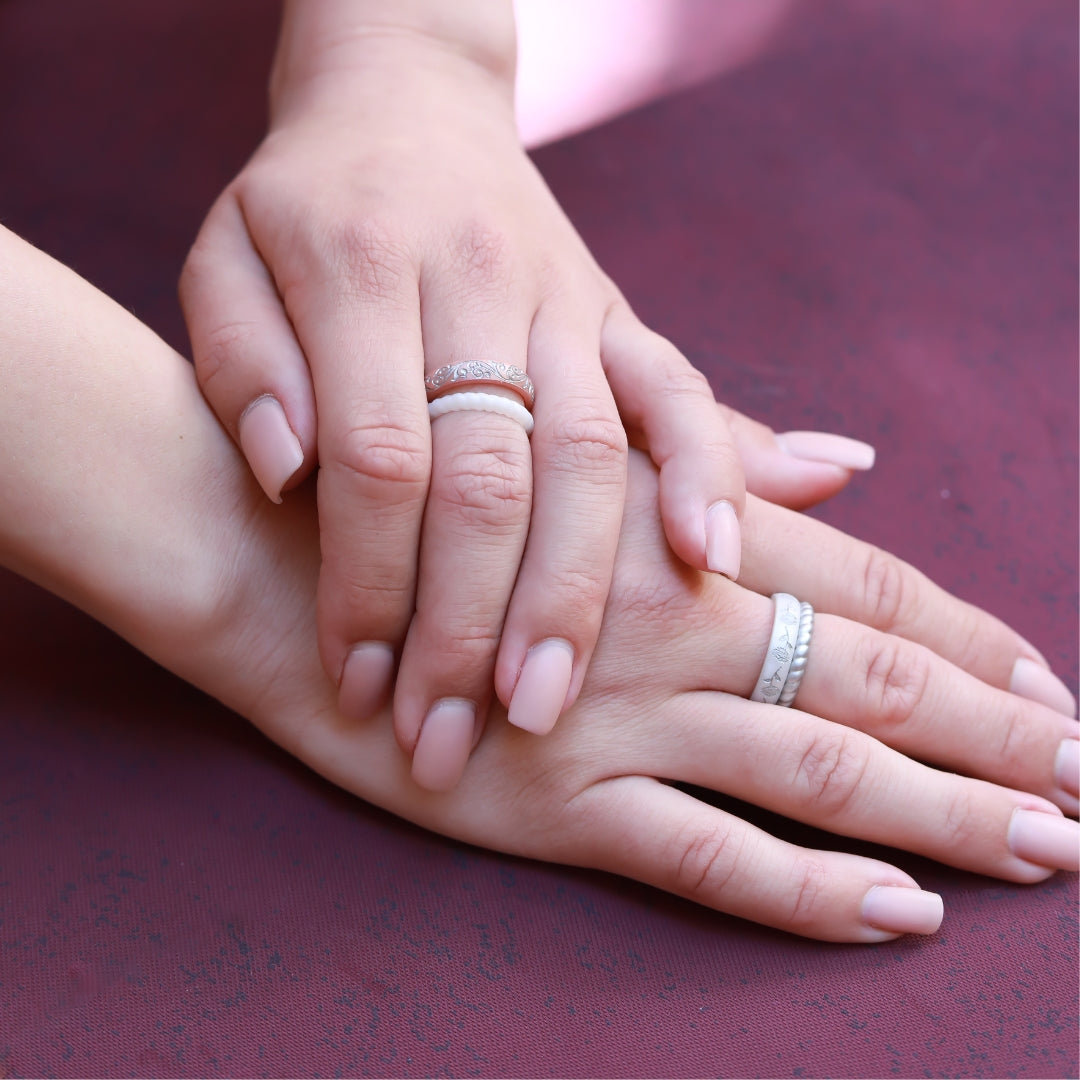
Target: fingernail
x,y
1034,653
272,450
1045,839
542,686
1034,682
365,679
827,448
1067,767
901,910
445,743
723,540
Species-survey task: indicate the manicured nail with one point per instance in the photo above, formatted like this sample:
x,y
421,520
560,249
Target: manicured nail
x,y
272,450
1034,654
1045,839
1067,767
723,540
445,743
901,910
1036,683
542,686
828,449
366,679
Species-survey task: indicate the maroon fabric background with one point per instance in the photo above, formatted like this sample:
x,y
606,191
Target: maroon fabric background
x,y
872,229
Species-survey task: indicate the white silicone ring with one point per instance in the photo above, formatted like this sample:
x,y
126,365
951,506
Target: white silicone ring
x,y
478,401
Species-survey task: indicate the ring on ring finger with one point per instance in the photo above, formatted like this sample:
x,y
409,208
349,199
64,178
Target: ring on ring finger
x,y
787,652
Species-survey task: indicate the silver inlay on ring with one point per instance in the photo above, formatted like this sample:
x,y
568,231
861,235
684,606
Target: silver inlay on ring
x,y
781,650
480,373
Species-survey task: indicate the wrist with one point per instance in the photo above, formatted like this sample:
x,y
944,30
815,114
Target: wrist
x,y
333,48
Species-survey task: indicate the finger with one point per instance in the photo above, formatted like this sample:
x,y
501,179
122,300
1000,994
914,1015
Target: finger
x,y
669,403
843,780
579,482
904,694
476,519
356,304
664,837
474,533
797,468
898,691
861,582
248,362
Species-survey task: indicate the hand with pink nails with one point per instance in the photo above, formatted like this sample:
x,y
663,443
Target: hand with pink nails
x,y
891,740
389,225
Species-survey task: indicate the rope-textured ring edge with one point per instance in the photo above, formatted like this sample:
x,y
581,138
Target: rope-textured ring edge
x,y
798,662
479,401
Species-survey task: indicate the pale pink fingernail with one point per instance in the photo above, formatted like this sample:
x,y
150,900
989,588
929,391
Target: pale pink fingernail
x,y
1034,654
827,448
445,743
1036,683
901,910
723,540
542,686
272,449
1045,839
365,679
1067,767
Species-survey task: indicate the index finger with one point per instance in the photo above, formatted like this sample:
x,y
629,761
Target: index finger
x,y
361,331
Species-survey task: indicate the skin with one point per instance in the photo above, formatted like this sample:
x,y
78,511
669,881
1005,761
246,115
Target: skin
x,y
390,224
186,559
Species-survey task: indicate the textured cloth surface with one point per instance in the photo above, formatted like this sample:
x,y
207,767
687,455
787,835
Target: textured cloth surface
x,y
873,230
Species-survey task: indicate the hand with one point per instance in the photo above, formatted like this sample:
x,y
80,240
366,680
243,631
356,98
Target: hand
x,y
664,701
187,561
391,224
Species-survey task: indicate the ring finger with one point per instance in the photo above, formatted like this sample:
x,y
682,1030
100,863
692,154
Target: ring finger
x,y
899,691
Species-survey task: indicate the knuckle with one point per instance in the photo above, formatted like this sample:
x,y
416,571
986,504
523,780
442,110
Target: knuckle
x,y
681,380
590,444
1013,737
886,589
479,252
809,892
960,824
222,349
366,258
638,600
490,489
830,771
466,646
389,456
896,680
580,591
705,860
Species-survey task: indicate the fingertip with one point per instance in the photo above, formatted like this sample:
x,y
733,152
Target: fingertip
x,y
366,679
542,687
270,445
1031,680
445,742
826,448
889,911
723,540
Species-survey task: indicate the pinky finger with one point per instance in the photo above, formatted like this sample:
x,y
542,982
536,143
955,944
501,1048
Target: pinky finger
x,y
795,469
250,366
663,399
713,858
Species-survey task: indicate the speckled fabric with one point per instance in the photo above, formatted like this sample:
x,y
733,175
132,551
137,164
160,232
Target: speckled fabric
x,y
872,229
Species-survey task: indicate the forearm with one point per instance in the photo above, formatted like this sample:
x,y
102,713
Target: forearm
x,y
116,473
